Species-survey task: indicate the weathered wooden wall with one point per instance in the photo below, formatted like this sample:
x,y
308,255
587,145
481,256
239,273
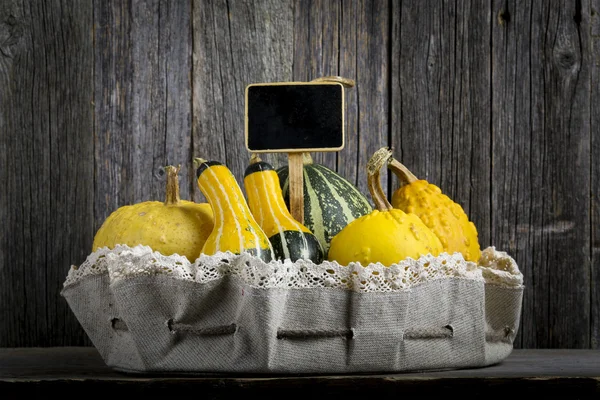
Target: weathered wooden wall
x,y
497,102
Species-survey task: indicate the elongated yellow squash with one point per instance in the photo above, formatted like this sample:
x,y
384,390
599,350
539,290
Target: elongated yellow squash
x,y
235,229
290,239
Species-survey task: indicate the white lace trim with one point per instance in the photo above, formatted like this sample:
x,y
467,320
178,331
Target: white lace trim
x,y
498,268
123,262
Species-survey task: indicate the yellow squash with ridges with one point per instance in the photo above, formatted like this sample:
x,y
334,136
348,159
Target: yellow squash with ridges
x,y
235,228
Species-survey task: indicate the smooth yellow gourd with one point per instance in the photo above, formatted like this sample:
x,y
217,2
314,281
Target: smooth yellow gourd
x,y
443,216
290,239
173,227
235,228
386,235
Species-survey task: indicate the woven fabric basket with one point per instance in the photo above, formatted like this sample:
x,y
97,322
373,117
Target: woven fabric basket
x,y
226,313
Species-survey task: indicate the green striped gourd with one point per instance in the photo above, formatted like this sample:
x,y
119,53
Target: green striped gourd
x,y
330,201
235,229
289,238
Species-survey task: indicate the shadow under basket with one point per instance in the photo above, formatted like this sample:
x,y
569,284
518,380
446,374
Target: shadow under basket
x,y
150,313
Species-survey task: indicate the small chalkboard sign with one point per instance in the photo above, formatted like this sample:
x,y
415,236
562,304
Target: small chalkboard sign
x,y
293,118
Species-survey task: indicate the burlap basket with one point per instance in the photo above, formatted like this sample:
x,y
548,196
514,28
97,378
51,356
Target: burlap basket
x,y
226,313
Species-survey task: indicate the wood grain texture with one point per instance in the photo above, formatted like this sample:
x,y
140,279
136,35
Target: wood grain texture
x,y
563,261
593,14
441,93
316,50
68,372
496,101
371,93
296,186
46,153
512,131
83,363
142,99
236,43
348,39
541,164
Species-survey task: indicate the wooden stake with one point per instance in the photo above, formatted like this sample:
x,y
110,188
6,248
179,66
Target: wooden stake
x,y
296,182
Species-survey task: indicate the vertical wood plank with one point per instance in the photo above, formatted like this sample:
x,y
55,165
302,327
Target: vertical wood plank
x,y
235,44
348,158
366,56
46,159
113,93
316,49
564,260
176,76
423,70
441,93
143,100
514,161
594,22
540,170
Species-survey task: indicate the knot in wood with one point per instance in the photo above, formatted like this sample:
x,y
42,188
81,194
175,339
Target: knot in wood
x,y
503,16
10,33
566,59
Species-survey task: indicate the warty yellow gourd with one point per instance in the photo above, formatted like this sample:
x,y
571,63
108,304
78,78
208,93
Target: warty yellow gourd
x,y
446,218
386,235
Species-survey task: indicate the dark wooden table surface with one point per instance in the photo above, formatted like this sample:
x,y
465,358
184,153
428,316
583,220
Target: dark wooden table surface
x,y
78,371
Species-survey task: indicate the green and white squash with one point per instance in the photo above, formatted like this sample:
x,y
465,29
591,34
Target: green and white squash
x,y
330,201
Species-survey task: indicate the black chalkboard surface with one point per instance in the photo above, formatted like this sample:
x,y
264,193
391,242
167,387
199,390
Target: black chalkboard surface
x,y
295,117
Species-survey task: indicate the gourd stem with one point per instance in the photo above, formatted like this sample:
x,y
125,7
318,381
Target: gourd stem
x,y
255,158
403,173
306,158
172,197
198,162
377,161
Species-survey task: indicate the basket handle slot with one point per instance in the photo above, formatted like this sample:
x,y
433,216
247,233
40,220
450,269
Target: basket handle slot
x,y
314,333
443,332
218,330
118,324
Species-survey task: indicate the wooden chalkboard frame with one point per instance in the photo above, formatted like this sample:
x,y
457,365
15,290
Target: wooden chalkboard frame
x,y
299,150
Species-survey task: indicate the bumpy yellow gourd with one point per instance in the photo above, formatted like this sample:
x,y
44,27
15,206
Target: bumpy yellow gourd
x,y
443,216
235,228
175,226
386,235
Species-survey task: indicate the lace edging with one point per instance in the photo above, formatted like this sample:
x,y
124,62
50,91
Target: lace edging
x,y
123,262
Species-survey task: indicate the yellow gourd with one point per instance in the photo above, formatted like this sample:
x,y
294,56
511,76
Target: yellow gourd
x,y
173,227
386,235
235,228
443,216
290,239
